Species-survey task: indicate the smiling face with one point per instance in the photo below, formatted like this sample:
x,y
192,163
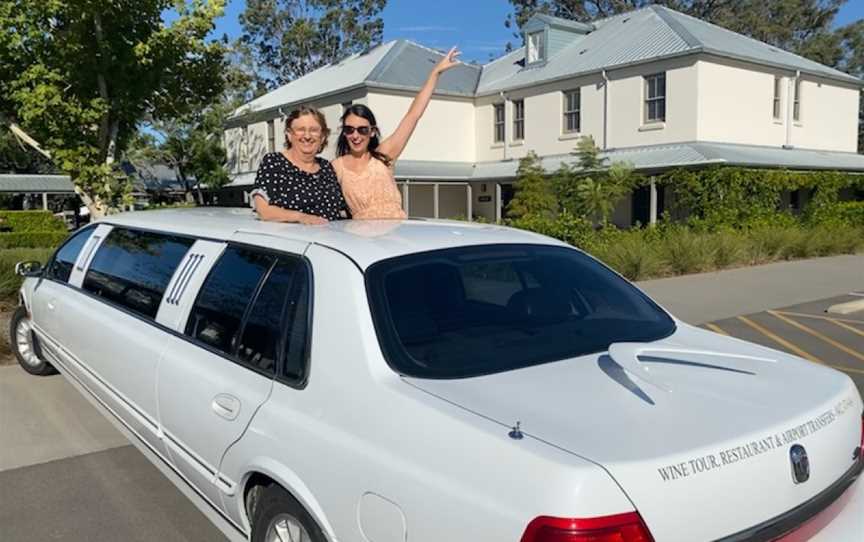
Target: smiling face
x,y
305,134
357,142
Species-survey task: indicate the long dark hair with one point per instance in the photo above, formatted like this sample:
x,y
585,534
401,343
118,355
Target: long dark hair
x,y
360,110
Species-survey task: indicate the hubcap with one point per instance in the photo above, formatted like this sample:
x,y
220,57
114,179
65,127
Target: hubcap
x,y
24,342
286,528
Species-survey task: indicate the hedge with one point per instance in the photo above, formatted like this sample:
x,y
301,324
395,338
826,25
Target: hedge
x,y
37,239
9,281
32,221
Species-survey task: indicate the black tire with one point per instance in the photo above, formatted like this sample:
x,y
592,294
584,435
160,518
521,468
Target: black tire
x,y
276,504
27,350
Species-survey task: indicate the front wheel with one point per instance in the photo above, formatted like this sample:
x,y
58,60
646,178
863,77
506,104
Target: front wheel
x,y
25,345
280,518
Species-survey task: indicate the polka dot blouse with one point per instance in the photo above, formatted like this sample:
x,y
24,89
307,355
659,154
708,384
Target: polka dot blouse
x,y
283,184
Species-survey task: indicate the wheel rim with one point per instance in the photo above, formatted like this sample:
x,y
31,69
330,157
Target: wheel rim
x,y
286,528
24,342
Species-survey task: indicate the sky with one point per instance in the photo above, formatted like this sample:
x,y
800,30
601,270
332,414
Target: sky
x,y
476,26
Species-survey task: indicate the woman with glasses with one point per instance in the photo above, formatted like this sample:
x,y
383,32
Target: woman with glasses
x,y
295,185
364,164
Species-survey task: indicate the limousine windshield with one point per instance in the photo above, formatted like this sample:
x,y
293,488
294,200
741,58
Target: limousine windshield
x,y
479,310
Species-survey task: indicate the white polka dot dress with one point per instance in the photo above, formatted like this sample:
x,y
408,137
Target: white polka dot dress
x,y
283,184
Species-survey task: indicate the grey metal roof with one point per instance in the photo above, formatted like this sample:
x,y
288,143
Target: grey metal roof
x,y
396,64
645,159
35,183
639,36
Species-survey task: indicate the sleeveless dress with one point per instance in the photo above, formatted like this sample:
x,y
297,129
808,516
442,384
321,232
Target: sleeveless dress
x,y
372,193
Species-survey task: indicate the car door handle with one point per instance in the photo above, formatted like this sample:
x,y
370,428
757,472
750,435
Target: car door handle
x,y
226,406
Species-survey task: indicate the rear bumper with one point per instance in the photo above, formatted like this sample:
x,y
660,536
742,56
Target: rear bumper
x,y
836,515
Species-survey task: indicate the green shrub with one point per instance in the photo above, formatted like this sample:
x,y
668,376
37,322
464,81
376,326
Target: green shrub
x,y
685,252
770,244
566,227
9,281
32,221
847,213
31,239
632,255
730,248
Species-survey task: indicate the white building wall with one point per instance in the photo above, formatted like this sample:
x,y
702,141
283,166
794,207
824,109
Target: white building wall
x,y
445,133
736,106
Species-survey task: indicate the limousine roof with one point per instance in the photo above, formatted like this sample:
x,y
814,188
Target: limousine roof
x,y
364,241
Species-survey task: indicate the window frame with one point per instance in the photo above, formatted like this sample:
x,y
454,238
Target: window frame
x,y
72,235
648,99
777,102
499,125
796,100
271,135
538,49
113,303
306,266
519,120
577,111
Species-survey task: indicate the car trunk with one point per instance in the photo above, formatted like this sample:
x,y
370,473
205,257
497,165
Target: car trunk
x,y
700,442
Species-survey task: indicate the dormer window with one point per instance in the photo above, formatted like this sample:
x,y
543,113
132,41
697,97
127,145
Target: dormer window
x,y
536,47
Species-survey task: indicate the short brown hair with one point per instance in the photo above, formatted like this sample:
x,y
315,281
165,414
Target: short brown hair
x,y
306,110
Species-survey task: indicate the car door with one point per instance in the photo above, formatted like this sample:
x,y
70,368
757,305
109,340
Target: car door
x,y
109,323
216,375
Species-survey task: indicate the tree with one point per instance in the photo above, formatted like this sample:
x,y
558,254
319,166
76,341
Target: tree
x,y
17,157
533,195
79,75
290,38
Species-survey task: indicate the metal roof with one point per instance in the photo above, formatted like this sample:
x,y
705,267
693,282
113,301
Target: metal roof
x,y
645,159
35,183
646,34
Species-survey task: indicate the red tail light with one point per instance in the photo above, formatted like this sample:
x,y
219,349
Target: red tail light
x,y
618,528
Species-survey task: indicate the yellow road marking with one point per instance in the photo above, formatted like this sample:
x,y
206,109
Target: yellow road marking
x,y
779,340
847,326
802,315
716,329
818,335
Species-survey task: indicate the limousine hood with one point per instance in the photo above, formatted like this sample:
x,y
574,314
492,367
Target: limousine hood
x,y
696,427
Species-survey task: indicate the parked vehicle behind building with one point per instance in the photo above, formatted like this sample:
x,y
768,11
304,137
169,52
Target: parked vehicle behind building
x,y
429,381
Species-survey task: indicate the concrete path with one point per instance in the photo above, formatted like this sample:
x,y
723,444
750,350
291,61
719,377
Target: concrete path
x,y
44,418
706,297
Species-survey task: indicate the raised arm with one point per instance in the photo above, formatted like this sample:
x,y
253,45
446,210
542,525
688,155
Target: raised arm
x,y
395,144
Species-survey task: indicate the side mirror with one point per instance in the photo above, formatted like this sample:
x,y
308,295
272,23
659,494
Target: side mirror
x,y
30,268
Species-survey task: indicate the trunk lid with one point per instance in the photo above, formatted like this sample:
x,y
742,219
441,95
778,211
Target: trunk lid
x,y
700,442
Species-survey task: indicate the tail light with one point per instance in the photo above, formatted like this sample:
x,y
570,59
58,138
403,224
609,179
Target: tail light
x,y
627,527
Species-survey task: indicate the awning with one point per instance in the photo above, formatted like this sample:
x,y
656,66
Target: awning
x,y
35,183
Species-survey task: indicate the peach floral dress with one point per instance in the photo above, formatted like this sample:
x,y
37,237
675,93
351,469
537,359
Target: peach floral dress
x,y
371,193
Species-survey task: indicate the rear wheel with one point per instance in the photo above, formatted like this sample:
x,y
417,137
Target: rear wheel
x,y
280,518
25,344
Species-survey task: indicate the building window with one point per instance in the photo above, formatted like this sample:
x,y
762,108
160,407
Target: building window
x,y
499,123
518,120
655,98
271,136
777,106
572,107
796,105
536,47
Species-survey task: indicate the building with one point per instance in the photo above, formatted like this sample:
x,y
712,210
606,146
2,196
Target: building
x,y
653,87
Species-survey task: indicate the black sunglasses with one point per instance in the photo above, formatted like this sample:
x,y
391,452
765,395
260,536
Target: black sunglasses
x,y
362,130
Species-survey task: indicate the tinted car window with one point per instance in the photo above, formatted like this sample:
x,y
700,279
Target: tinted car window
x,y
132,268
470,311
60,267
262,334
217,315
297,324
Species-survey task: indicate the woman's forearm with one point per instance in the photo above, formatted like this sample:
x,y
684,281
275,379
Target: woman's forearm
x,y
273,213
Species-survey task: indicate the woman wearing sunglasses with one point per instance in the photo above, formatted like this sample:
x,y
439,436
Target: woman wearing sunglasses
x,y
364,164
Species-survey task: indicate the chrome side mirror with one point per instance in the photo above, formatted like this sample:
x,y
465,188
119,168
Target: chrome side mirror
x,y
30,268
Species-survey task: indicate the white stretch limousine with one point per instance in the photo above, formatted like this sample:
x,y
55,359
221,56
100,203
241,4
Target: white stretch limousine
x,y
435,381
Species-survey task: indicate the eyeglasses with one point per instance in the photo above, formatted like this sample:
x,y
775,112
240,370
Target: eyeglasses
x,y
314,132
362,130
